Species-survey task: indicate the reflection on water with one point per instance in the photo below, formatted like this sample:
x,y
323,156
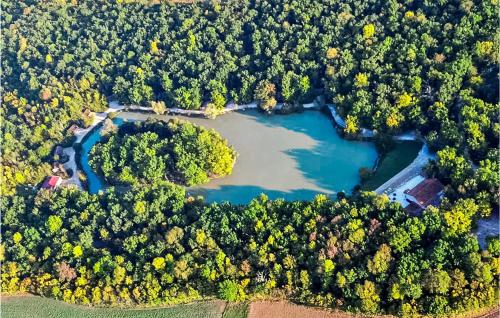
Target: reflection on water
x,y
294,156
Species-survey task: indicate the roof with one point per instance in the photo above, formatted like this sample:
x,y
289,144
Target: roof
x,y
51,182
399,193
427,192
413,209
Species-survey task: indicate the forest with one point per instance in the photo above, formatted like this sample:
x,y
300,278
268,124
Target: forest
x,y
388,65
147,152
151,246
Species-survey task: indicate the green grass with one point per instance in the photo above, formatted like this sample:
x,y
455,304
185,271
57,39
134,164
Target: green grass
x,y
38,307
236,310
394,161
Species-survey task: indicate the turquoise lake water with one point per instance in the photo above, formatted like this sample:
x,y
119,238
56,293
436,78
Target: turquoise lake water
x,y
95,183
292,156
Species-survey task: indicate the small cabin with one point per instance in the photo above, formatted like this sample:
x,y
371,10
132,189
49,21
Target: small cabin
x,y
427,192
52,182
87,112
58,167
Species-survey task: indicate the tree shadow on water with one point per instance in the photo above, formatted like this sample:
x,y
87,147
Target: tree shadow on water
x,y
330,162
244,194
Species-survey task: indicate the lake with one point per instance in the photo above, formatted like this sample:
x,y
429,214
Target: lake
x,y
292,156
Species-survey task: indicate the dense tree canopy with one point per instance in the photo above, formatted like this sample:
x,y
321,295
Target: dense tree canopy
x,y
146,152
150,246
388,65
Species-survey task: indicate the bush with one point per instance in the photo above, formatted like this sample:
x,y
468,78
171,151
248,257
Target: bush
x,y
231,291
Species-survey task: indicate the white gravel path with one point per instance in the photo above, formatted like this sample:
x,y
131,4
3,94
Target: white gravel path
x,y
71,164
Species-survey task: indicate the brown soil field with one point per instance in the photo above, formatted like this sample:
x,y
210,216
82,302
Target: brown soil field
x,y
281,309
489,313
256,309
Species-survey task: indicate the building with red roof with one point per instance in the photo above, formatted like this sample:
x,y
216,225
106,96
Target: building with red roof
x,y
427,192
51,182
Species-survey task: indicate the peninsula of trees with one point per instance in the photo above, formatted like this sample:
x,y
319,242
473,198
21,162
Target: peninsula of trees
x,y
147,152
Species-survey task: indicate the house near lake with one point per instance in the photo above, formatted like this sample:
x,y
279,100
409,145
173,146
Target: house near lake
x,y
418,193
87,112
52,183
58,167
428,192
73,128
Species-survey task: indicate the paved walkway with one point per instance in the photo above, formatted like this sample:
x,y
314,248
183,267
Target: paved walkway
x,y
71,164
365,132
192,112
99,117
406,136
338,120
408,173
230,107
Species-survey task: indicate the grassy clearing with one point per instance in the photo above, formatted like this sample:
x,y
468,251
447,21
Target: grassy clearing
x,y
394,161
236,310
38,307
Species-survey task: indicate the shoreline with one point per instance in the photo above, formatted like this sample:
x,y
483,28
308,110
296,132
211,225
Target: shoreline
x,y
83,134
294,141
